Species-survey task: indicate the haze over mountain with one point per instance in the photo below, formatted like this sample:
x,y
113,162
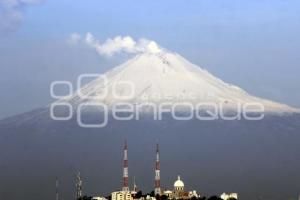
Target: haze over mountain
x,y
253,158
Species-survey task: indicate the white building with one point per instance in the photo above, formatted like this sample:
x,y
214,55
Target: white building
x,y
179,192
121,195
150,198
168,193
225,196
193,194
133,193
178,185
99,198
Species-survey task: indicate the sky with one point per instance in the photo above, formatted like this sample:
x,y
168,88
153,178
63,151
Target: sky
x,y
253,44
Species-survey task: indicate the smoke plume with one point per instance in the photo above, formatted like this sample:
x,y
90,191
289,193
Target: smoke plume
x,y
118,44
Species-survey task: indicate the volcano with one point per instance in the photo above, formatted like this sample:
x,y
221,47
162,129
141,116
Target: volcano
x,y
257,159
166,77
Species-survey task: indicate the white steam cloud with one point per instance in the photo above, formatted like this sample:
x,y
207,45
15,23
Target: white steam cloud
x,y
74,38
118,44
11,13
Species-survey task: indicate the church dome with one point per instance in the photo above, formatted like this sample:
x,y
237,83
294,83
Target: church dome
x,y
178,183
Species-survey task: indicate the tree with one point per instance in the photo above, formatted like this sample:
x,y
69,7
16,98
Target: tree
x,y
214,198
194,198
139,194
157,197
85,198
152,194
163,197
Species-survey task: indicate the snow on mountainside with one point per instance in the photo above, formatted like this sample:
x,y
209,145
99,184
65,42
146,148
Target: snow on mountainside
x,y
166,77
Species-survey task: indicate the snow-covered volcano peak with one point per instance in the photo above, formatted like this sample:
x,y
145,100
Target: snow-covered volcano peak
x,y
164,76
161,64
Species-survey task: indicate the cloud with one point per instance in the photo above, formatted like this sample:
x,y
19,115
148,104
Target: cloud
x,y
74,38
118,44
11,13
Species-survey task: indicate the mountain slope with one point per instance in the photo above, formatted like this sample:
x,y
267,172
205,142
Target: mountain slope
x,y
166,77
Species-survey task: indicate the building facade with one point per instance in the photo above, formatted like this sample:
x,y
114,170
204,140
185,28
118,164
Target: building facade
x,y
225,196
179,192
121,195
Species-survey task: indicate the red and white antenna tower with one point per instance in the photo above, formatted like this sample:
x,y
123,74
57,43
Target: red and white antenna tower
x,y
157,190
125,169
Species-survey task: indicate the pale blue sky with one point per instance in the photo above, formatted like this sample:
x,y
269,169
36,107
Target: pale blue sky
x,y
253,44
